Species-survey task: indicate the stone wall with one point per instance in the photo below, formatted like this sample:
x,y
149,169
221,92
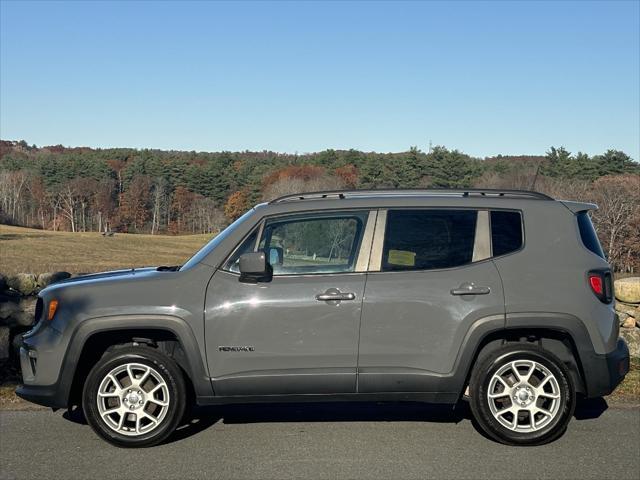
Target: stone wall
x,y
18,305
628,309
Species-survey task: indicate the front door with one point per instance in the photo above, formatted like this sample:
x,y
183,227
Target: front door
x,y
432,279
298,333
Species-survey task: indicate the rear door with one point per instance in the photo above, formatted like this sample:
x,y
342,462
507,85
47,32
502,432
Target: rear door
x,y
431,278
298,333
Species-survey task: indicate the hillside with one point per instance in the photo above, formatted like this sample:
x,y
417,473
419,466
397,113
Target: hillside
x,y
30,250
171,192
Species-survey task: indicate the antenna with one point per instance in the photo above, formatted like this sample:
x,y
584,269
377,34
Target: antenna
x,y
535,177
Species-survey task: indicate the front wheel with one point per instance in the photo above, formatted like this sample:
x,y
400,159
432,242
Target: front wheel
x,y
522,395
134,397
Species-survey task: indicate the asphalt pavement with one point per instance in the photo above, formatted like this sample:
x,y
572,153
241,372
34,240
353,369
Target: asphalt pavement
x,y
311,441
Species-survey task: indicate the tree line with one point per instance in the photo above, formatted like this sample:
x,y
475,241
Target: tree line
x,y
155,191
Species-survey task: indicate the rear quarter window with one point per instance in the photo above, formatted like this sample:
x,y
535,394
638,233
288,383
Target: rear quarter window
x,y
506,232
588,234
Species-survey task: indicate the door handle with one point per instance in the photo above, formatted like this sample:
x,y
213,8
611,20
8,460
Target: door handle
x,y
470,289
334,295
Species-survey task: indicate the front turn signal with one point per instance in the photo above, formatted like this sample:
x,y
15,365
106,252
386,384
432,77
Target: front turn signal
x,y
53,306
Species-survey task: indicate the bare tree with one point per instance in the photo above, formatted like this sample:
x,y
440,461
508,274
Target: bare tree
x,y
287,186
159,199
12,186
74,197
69,203
104,203
205,217
618,199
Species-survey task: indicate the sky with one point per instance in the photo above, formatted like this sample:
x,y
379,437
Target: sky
x,y
482,77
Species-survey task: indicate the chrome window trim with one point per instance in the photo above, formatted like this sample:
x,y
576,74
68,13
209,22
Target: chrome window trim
x,y
375,261
364,254
259,236
482,241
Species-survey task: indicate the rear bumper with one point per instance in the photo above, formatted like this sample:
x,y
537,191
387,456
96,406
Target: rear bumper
x,y
603,373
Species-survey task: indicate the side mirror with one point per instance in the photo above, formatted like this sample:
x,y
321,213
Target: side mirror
x,y
255,268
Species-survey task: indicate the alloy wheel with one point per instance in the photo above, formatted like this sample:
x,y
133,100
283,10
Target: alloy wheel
x,y
133,399
524,396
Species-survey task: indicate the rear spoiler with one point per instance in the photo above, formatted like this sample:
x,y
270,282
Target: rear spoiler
x,y
577,207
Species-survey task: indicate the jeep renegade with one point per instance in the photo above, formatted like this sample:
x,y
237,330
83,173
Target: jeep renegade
x,y
503,298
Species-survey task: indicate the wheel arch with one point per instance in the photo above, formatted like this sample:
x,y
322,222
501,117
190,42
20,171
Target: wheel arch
x,y
562,334
171,335
559,342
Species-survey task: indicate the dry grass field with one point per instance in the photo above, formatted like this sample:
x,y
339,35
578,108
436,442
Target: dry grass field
x,y
36,251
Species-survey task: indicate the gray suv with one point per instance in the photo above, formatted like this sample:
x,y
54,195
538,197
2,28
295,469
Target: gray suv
x,y
502,298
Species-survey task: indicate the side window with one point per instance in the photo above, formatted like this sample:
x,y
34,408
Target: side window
x,y
233,264
428,239
506,232
588,234
321,244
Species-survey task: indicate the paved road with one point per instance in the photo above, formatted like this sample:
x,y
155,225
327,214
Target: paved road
x,y
323,441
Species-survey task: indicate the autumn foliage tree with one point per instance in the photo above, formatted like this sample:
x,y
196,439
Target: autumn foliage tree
x,y
134,202
237,204
299,178
348,174
180,204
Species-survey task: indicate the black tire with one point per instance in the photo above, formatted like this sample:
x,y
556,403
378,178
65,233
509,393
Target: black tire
x,y
162,365
481,377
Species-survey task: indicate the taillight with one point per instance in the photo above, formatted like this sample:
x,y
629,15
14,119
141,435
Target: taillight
x,y
597,285
601,285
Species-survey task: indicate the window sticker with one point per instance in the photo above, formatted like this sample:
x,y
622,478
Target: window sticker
x,y
402,257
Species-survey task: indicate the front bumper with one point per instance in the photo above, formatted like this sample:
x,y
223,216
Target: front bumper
x,y
603,373
49,396
40,363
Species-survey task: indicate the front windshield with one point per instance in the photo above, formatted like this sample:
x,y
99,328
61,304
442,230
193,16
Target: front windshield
x,y
209,247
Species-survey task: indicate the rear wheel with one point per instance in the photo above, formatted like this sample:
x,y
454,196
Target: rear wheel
x,y
134,397
522,395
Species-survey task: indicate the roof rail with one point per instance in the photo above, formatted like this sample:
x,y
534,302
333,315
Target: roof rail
x,y
465,192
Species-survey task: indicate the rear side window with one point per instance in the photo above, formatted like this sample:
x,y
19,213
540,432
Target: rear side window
x,y
506,232
428,239
588,234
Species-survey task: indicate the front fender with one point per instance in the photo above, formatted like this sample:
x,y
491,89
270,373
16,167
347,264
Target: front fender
x,y
57,394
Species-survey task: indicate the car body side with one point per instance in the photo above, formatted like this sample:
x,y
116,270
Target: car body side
x,y
544,286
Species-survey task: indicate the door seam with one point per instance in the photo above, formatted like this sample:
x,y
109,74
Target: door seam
x,y
364,294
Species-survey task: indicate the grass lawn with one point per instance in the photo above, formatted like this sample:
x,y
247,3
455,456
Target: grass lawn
x,y
36,251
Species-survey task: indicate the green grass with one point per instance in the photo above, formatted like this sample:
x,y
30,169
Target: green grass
x,y
36,251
